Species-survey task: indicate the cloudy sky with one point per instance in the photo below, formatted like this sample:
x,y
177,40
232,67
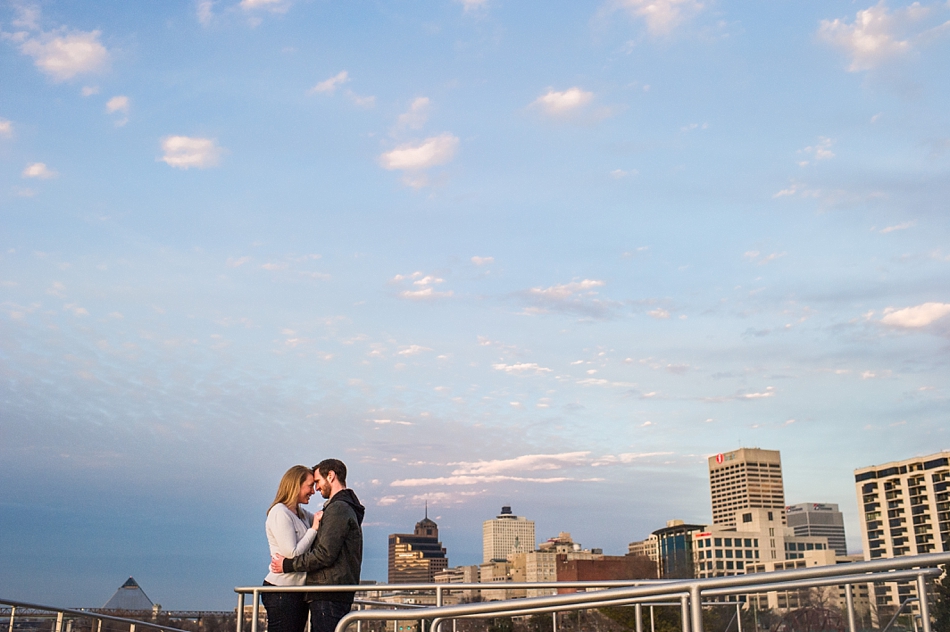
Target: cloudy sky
x,y
487,252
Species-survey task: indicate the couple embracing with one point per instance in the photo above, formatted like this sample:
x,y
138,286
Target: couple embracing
x,y
324,549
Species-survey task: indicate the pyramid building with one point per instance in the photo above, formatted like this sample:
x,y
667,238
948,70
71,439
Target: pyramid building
x,y
129,596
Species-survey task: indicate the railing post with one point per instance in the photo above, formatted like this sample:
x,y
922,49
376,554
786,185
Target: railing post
x,y
98,625
359,622
131,627
59,622
255,609
696,607
12,614
554,621
849,600
239,613
652,620
922,602
684,612
438,596
739,616
638,610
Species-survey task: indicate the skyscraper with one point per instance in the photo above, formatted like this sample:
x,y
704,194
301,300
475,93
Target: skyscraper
x,y
905,510
747,478
819,519
506,534
416,557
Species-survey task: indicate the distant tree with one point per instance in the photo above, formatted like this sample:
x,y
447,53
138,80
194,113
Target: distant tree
x,y
500,624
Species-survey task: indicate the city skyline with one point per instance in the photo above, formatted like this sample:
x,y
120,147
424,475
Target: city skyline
x,y
487,253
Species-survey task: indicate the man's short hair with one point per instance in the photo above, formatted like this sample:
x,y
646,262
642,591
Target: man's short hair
x,y
332,465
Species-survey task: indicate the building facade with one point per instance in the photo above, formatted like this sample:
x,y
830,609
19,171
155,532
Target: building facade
x,y
418,556
905,509
819,519
676,558
506,534
747,478
648,548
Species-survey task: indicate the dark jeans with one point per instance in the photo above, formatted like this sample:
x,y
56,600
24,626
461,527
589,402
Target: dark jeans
x,y
286,612
324,615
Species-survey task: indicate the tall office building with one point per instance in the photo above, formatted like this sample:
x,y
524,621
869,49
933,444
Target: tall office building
x,y
819,519
747,478
416,557
506,534
905,511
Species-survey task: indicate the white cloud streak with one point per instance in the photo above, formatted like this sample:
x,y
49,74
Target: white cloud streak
x,y
185,152
915,317
556,103
64,54
330,85
662,16
39,170
433,151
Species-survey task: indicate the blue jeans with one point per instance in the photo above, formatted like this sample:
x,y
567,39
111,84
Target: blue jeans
x,y
324,615
286,612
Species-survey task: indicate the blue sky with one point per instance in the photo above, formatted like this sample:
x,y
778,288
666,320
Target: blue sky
x,y
486,252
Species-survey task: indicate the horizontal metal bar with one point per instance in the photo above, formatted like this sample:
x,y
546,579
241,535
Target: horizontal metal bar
x,y
514,610
370,602
674,587
90,615
612,583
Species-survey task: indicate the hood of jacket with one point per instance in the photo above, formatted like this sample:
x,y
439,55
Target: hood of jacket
x,y
348,496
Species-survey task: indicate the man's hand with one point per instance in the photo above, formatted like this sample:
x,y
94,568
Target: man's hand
x,y
277,563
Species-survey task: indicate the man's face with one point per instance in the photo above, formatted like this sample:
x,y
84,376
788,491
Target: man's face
x,y
322,484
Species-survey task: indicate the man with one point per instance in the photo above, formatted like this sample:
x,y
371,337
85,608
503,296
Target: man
x,y
336,554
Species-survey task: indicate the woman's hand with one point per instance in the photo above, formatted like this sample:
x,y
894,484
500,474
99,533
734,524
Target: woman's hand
x,y
317,517
277,563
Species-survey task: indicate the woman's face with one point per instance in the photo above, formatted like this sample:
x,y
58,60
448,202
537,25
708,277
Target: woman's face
x,y
306,491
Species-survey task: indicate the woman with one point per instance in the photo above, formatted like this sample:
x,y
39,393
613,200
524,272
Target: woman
x,y
290,531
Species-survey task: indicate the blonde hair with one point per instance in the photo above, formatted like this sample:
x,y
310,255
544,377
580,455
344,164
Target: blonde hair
x,y
289,489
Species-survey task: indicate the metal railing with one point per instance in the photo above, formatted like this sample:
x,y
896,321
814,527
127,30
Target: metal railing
x,y
63,613
689,593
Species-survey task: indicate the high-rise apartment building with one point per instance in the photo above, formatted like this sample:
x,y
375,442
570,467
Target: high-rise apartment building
x,y
747,478
506,534
905,510
416,557
819,519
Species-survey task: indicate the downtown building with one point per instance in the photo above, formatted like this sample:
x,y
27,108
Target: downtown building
x,y
905,510
418,556
819,519
506,534
747,478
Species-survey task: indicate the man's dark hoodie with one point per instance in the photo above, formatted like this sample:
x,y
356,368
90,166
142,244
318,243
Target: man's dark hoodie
x,y
335,557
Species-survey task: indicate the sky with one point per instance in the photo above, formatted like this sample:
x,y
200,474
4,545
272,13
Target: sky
x,y
545,255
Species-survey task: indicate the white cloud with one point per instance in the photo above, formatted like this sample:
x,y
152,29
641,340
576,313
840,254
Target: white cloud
x,y
559,103
756,257
875,35
204,11
473,480
576,296
526,463
566,290
118,104
819,151
433,151
38,170
523,368
472,5
361,102
424,284
330,85
619,174
277,6
662,16
64,54
902,226
417,114
659,313
185,152
233,262
6,128
88,91
483,261
917,316
412,350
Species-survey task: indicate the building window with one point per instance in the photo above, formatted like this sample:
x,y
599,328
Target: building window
x,y
718,541
728,541
747,517
728,565
770,516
